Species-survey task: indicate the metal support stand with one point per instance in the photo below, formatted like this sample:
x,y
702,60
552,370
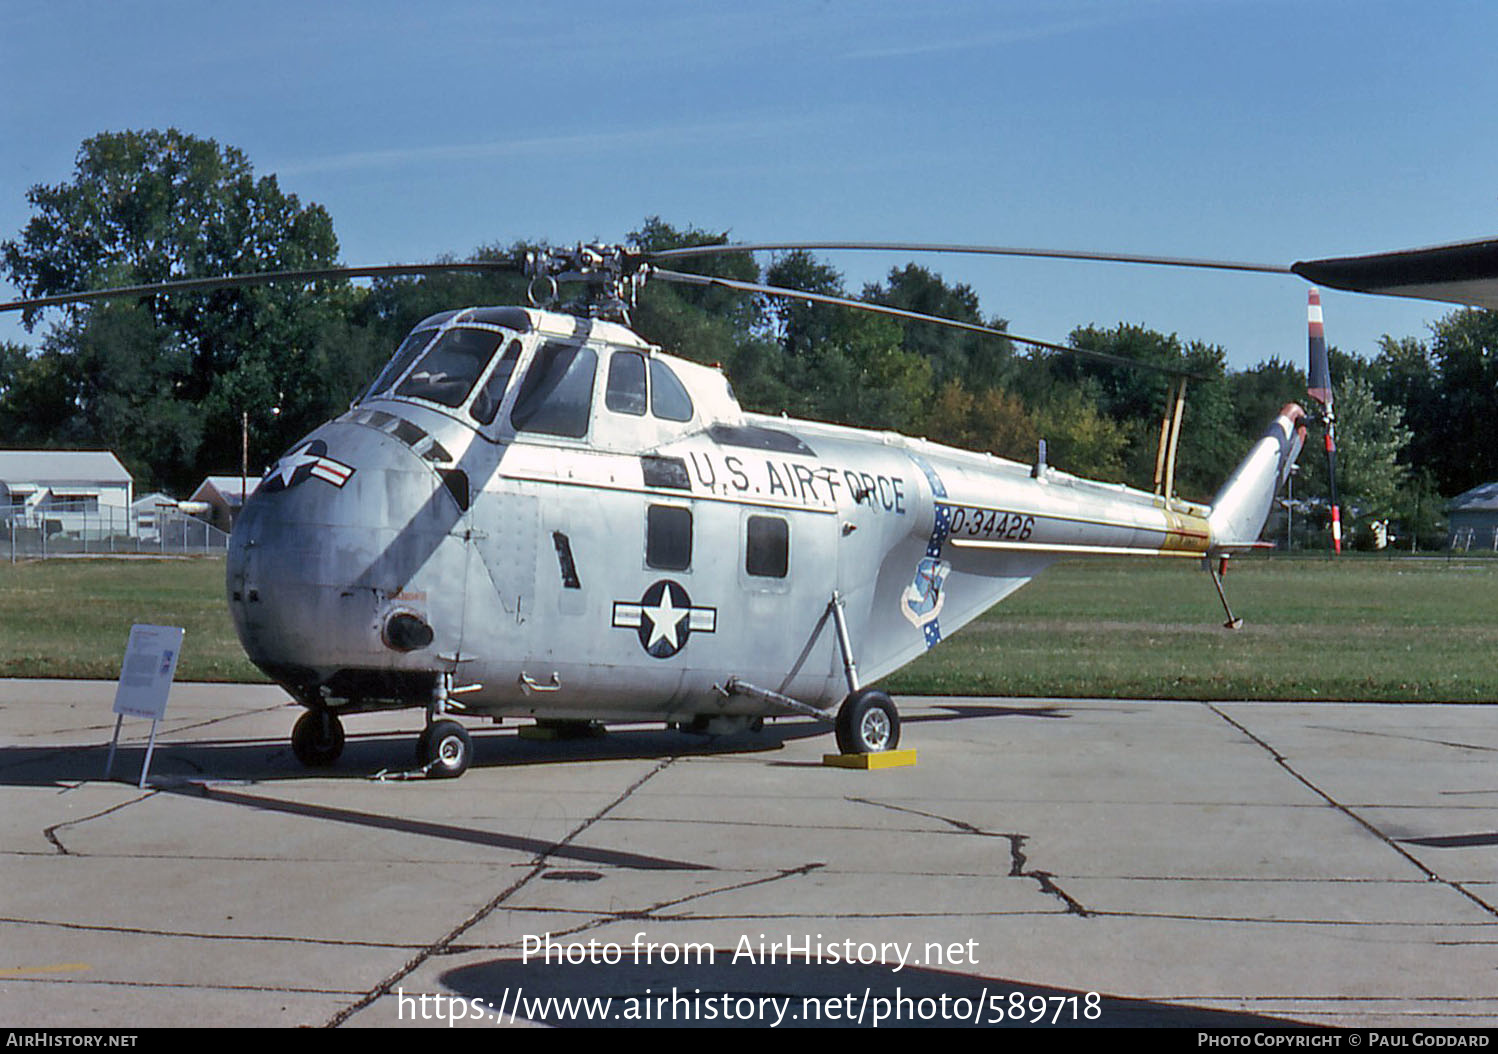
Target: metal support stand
x,y
1217,572
145,767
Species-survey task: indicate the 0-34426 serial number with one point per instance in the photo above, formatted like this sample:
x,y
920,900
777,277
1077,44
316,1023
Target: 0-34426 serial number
x,y
992,524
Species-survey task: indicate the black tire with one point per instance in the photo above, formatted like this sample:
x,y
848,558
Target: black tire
x,y
446,749
867,723
317,738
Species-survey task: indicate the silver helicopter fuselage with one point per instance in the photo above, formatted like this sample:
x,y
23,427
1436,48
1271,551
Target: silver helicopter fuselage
x,y
553,518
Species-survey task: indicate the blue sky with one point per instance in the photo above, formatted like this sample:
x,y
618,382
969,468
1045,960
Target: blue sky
x,y
1248,129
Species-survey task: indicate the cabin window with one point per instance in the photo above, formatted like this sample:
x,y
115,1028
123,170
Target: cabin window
x,y
447,372
556,396
668,537
403,357
668,399
767,549
486,402
626,388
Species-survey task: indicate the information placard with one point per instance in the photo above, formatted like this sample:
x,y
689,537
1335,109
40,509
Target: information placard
x,y
150,665
145,682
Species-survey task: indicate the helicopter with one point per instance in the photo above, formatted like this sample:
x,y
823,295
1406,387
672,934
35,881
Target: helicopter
x,y
532,512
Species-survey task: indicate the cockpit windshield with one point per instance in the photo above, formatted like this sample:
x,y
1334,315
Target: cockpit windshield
x,y
409,349
451,366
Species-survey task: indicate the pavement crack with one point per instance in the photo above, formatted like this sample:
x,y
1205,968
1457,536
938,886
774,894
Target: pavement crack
x,y
1405,737
538,866
1017,860
1283,762
50,833
961,825
784,873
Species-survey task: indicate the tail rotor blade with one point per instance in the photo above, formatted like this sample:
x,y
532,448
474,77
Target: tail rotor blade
x,y
1320,374
1320,389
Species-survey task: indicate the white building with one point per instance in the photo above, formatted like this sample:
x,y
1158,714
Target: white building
x,y
79,492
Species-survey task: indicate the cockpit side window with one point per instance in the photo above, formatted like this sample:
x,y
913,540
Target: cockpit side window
x,y
448,370
556,396
668,398
486,402
625,393
403,357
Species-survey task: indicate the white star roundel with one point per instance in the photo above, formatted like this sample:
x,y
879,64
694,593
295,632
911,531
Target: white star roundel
x,y
664,618
309,459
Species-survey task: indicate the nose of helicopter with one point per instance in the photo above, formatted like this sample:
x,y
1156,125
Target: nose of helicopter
x,y
337,557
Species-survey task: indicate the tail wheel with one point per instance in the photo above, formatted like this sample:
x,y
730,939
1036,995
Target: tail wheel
x,y
446,748
867,723
317,738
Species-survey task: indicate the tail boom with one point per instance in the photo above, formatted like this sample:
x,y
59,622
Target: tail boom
x,y
1243,504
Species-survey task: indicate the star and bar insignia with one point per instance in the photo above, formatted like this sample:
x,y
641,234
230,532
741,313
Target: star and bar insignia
x,y
664,618
308,460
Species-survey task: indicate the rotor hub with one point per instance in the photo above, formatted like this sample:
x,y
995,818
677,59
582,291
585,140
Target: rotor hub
x,y
617,271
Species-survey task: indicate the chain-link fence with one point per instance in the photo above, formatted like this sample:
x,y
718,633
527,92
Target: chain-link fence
x,y
1474,539
89,529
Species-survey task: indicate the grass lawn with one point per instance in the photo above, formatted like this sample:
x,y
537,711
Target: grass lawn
x,y
1356,628
71,618
1314,628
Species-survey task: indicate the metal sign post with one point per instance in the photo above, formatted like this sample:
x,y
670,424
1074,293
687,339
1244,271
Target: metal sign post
x,y
145,682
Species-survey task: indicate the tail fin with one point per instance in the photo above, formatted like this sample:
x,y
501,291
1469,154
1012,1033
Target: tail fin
x,y
1243,503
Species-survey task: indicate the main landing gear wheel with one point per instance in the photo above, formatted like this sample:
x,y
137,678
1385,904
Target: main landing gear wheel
x,y
317,738
445,747
867,723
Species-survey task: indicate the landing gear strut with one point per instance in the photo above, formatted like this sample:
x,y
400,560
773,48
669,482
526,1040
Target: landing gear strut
x,y
867,723
317,738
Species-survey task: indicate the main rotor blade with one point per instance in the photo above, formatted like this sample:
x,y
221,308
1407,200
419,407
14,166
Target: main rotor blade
x,y
981,250
234,281
1460,273
895,312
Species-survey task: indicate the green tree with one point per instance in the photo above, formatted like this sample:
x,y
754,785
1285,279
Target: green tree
x,y
127,372
1136,400
975,360
1080,438
994,420
840,363
1405,377
1464,348
36,396
800,325
1259,393
1370,443
742,313
157,206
